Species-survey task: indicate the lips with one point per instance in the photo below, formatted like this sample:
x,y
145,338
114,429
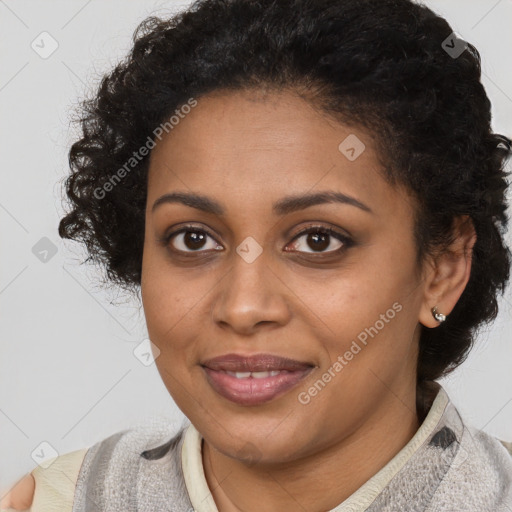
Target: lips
x,y
255,363
254,380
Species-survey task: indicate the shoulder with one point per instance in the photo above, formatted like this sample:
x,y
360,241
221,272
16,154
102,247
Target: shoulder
x,y
57,483
133,467
54,485
489,454
479,477
49,487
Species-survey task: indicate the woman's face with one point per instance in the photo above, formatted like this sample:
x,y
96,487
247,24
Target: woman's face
x,y
243,276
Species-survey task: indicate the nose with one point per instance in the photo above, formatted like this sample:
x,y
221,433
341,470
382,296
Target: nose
x,y
250,296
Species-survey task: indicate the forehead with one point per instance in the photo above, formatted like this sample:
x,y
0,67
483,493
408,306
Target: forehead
x,y
258,146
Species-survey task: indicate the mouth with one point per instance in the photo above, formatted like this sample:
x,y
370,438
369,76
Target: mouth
x,y
254,380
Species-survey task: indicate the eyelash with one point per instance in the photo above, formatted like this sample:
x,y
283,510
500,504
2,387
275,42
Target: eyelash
x,y
344,239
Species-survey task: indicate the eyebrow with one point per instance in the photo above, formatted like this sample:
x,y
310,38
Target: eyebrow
x,y
284,206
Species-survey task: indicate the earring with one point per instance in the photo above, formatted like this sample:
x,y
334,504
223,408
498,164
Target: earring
x,y
438,316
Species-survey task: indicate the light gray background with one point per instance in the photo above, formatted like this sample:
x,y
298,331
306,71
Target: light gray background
x,y
68,375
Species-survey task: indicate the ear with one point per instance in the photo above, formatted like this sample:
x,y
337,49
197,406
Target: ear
x,y
448,272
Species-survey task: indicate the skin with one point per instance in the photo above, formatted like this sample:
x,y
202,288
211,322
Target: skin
x,y
20,496
247,150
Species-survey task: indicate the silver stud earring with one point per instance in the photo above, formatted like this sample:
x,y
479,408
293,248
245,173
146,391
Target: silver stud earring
x,y
438,316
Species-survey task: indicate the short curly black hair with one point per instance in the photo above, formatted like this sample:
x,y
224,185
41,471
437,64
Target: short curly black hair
x,y
386,65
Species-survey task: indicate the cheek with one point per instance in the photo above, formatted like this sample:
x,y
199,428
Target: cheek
x,y
166,299
169,308
175,308
364,314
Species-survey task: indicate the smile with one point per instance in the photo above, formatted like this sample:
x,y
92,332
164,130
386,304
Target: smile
x,y
248,388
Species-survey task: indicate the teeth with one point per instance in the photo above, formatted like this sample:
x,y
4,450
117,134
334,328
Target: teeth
x,y
240,375
255,375
260,375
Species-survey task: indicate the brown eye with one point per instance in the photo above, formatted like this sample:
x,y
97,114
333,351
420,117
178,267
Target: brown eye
x,y
320,240
192,240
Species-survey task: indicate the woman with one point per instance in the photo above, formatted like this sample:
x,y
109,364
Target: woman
x,y
311,201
